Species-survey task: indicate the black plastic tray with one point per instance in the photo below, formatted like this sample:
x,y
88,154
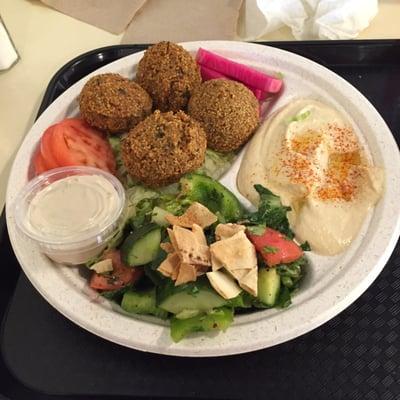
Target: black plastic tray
x,y
354,356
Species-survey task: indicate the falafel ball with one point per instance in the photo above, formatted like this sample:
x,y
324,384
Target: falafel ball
x,y
113,103
227,110
163,147
169,74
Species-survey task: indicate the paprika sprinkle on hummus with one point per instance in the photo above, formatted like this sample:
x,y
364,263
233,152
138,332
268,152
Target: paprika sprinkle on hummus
x,y
309,155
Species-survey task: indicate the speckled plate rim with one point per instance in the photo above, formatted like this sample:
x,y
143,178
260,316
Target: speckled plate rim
x,y
65,292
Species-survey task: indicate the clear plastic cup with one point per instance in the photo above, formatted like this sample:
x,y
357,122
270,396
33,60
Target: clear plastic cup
x,y
92,240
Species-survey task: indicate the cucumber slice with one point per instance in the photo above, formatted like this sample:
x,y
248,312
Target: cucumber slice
x,y
141,246
142,303
216,197
269,283
199,296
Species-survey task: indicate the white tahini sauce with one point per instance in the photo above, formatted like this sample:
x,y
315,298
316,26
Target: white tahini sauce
x,y
68,208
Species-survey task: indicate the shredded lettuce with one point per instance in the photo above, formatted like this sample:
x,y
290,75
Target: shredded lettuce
x,y
122,173
216,164
142,201
135,195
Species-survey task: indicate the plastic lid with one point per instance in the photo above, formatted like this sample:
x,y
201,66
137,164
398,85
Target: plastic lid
x,y
91,236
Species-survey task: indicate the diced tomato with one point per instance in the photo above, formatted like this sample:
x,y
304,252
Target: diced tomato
x,y
74,142
39,163
275,248
45,148
119,277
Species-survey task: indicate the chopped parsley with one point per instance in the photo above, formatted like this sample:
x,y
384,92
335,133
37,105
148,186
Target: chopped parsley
x,y
300,117
270,250
305,246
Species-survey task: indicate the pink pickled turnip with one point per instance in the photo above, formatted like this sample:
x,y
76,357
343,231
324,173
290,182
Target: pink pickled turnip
x,y
208,74
260,95
242,73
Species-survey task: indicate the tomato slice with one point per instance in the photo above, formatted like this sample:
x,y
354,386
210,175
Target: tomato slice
x,y
275,248
38,163
121,275
45,148
74,142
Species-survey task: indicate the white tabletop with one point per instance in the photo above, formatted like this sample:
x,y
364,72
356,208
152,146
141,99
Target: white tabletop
x,y
46,40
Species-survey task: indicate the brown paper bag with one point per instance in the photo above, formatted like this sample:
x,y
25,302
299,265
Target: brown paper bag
x,y
183,20
111,15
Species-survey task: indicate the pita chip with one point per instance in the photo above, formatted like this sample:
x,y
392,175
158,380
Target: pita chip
x,y
169,267
199,234
250,282
225,231
189,250
187,273
195,214
167,247
236,252
223,284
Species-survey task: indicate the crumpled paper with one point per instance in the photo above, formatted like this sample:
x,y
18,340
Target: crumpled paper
x,y
184,20
110,15
309,19
148,21
8,53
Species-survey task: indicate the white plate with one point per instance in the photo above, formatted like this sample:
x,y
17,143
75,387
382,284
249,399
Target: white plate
x,y
332,284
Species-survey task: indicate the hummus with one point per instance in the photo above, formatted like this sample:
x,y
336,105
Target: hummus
x,y
309,155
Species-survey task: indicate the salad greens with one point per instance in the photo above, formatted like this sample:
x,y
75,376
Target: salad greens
x,y
122,173
215,319
196,306
292,273
271,212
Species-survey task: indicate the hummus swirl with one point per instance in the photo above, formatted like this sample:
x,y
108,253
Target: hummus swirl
x,y
309,155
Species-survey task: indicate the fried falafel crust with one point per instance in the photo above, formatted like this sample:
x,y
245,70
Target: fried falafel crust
x,y
113,103
169,74
227,110
163,147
